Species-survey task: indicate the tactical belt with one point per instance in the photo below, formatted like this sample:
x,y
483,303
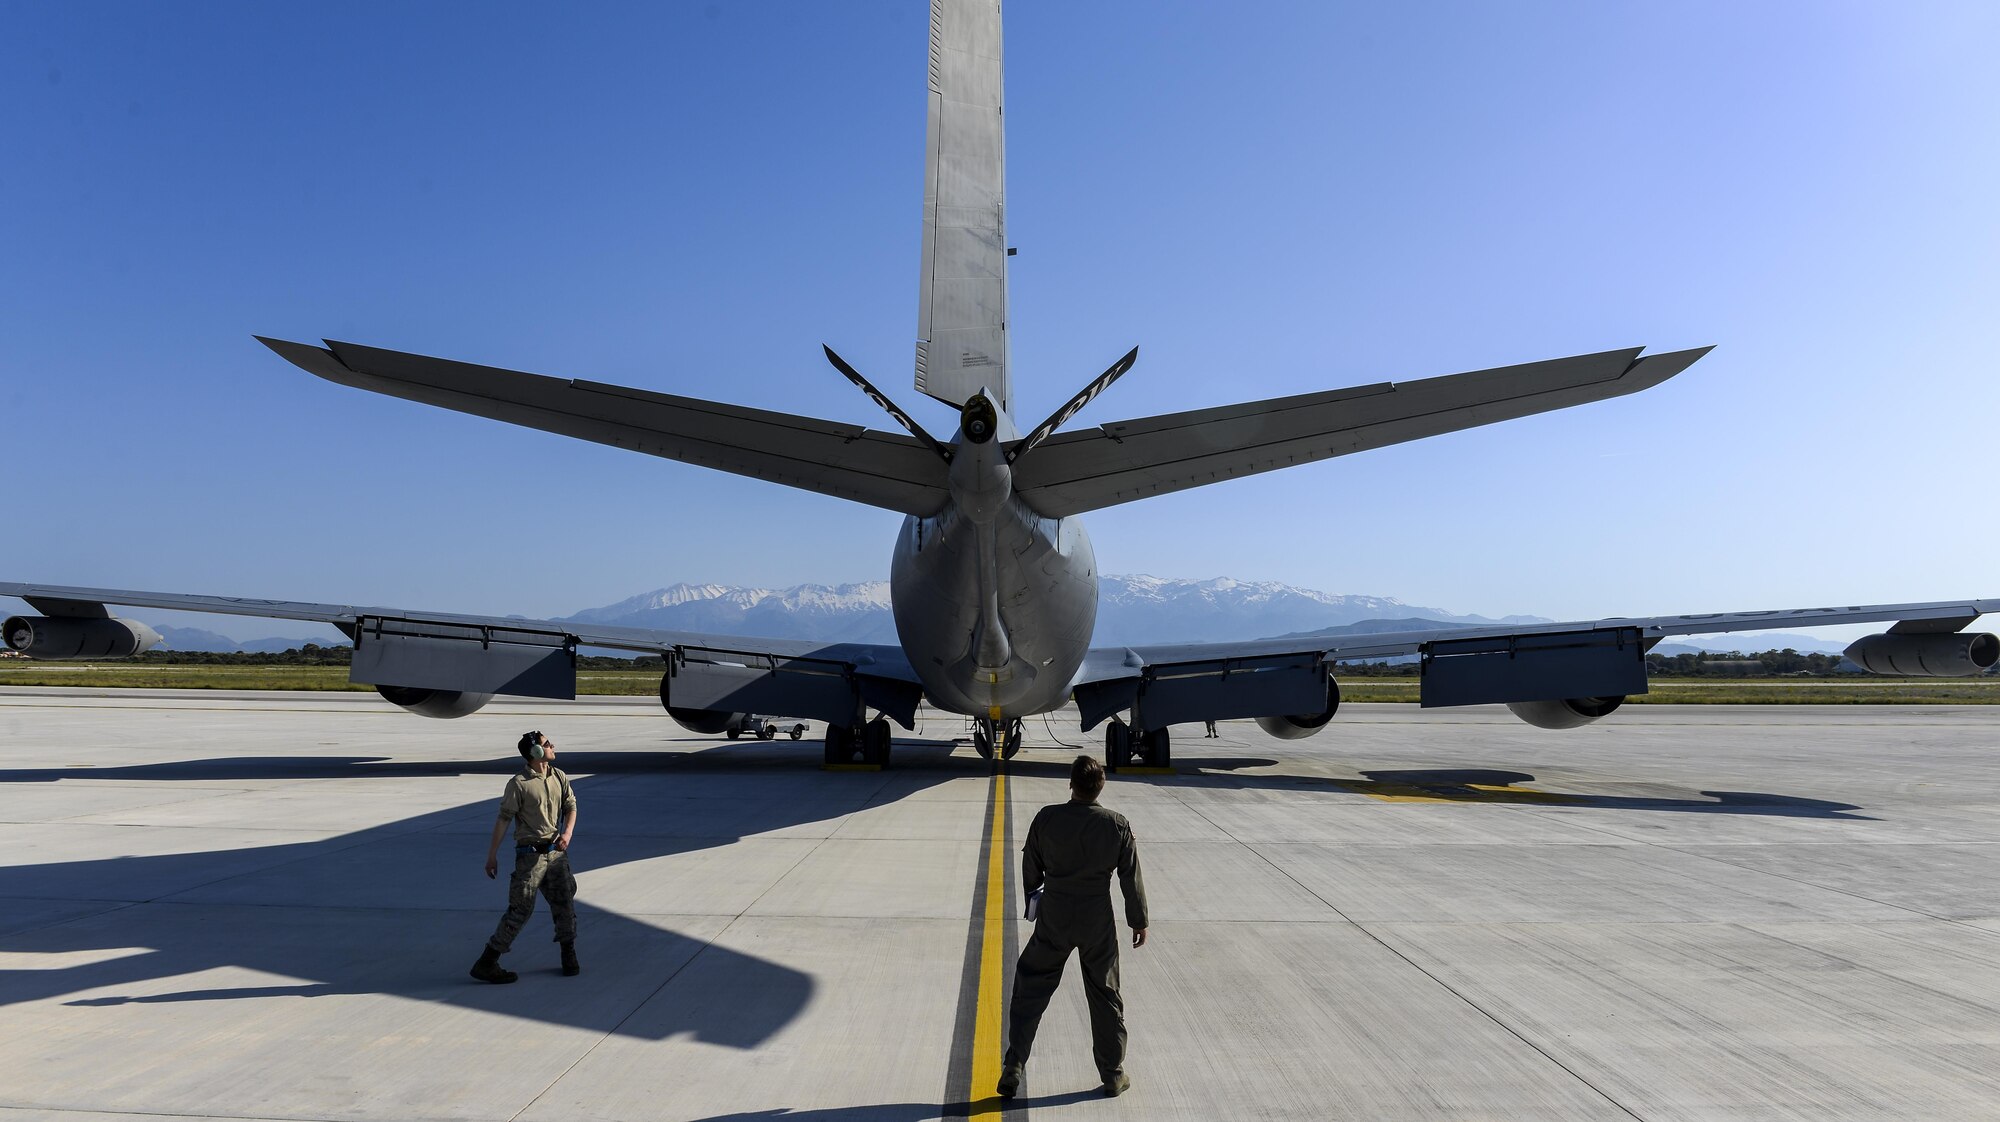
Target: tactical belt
x,y
535,847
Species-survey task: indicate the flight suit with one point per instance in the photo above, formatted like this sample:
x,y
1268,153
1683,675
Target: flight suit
x,y
1071,852
537,805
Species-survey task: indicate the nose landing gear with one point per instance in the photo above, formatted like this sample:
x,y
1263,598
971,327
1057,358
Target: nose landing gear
x,y
987,732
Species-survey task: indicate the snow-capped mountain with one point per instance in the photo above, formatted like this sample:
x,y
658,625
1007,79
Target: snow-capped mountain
x,y
1144,609
854,613
1131,609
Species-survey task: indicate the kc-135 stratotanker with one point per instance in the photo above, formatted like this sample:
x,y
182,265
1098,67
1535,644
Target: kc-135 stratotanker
x,y
992,578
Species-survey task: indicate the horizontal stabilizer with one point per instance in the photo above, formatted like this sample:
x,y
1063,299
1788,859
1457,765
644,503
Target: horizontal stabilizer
x,y
1117,463
847,461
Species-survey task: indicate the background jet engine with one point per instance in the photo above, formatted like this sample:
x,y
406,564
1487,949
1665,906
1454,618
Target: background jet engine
x,y
1301,725
77,636
1565,713
442,704
704,721
1957,654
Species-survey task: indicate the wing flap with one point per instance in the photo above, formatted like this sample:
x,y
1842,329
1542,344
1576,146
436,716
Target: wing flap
x,y
1128,460
846,461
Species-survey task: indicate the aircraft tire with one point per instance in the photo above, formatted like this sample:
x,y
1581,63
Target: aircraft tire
x,y
1013,746
1117,745
876,742
982,745
837,750
1159,748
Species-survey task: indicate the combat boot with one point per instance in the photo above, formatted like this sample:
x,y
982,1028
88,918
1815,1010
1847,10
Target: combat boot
x,y
488,968
1116,1084
1010,1081
570,967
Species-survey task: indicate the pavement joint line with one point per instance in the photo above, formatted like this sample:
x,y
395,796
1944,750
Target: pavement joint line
x,y
157,1113
1418,967
1949,995
1678,848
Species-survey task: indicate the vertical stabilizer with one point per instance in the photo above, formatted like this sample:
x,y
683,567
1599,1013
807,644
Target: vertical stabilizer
x,y
962,307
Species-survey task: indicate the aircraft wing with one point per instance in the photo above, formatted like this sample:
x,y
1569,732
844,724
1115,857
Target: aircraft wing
x,y
879,469
1116,463
514,656
1180,683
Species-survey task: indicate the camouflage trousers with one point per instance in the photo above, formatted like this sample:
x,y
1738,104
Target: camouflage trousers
x,y
546,873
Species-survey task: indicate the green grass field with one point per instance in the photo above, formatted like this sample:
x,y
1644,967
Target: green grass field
x,y
620,683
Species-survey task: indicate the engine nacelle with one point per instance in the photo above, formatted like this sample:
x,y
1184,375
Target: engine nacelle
x,y
1957,654
74,637
442,704
1300,726
707,722
1565,713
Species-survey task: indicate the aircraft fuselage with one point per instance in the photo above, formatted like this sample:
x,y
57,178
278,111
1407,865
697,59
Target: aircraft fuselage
x,y
994,604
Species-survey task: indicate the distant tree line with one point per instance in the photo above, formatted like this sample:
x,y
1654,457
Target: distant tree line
x,y
312,654
1731,664
1734,664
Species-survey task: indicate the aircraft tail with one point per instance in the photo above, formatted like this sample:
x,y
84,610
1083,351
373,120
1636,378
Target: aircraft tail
x,y
962,305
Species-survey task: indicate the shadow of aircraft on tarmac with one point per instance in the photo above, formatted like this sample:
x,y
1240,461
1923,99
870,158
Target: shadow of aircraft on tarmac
x,y
1459,785
1474,785
401,908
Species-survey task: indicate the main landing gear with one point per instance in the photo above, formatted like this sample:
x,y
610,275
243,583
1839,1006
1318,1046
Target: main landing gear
x,y
987,732
1125,746
868,744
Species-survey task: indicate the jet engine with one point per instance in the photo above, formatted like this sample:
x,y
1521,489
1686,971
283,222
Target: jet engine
x,y
77,637
442,704
1957,654
1301,725
704,721
1565,713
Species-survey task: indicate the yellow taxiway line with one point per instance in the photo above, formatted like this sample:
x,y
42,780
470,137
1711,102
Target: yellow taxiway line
x,y
986,1023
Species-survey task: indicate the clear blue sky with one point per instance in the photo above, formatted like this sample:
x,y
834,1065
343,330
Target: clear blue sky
x,y
1267,198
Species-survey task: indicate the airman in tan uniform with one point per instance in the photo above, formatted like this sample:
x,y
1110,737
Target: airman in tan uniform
x,y
542,807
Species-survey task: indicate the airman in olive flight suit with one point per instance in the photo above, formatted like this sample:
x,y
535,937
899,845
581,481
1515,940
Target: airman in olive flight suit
x,y
1071,852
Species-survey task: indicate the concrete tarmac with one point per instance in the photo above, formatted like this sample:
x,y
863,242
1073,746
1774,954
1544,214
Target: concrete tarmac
x,y
231,905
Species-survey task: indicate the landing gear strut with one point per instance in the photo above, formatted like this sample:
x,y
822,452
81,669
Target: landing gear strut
x,y
868,744
986,732
1125,746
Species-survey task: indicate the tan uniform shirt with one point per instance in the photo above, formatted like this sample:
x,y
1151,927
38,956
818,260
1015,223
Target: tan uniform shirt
x,y
537,804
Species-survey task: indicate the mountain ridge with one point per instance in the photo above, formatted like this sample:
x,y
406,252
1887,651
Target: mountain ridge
x,y
1132,609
